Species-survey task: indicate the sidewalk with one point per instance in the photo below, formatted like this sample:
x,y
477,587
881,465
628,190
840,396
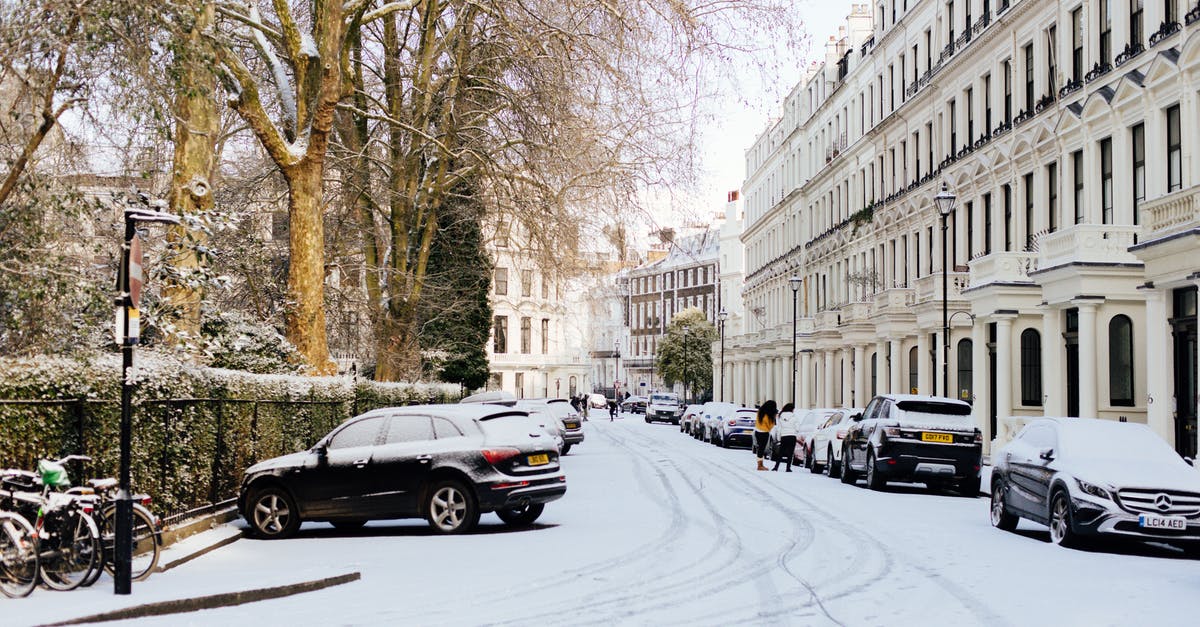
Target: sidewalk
x,y
200,572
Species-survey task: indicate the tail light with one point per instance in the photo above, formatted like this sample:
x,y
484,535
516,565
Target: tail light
x,y
841,434
891,432
87,508
733,423
146,500
978,437
505,486
497,455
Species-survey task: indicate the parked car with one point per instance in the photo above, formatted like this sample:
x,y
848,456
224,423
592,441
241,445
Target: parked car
x,y
713,414
665,407
539,415
825,442
446,463
597,401
570,421
1101,478
904,437
736,428
691,414
808,420
634,405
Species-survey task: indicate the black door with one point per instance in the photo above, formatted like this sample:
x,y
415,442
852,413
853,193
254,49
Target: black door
x,y
402,465
338,484
1183,340
991,348
1071,338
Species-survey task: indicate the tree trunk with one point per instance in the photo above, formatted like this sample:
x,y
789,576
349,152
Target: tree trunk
x,y
397,353
197,126
305,315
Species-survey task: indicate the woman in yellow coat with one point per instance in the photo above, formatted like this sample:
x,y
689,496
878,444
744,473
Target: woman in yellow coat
x,y
762,429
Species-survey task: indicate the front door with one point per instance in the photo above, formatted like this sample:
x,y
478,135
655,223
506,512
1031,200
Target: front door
x,y
1071,338
1183,340
339,482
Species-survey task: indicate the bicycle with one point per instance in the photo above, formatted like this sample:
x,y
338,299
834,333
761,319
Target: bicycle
x,y
67,537
18,556
147,536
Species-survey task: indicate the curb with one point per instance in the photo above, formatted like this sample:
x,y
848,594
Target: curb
x,y
200,553
214,601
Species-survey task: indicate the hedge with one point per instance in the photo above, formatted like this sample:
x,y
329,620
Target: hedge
x,y
194,429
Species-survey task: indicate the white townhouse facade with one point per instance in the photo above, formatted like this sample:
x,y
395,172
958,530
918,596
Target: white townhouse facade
x,y
1068,131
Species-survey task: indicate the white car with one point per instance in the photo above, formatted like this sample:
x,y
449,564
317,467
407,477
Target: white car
x,y
713,414
825,444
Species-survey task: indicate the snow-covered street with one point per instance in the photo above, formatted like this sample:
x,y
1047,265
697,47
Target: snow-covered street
x,y
658,528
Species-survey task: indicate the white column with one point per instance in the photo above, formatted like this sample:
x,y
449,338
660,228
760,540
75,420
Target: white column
x,y
1004,368
1087,360
805,379
979,380
847,377
752,383
827,397
896,383
1054,385
1158,375
860,376
882,376
923,385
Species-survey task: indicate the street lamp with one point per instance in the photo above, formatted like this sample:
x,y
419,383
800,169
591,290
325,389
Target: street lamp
x,y
617,369
721,318
794,282
129,284
945,205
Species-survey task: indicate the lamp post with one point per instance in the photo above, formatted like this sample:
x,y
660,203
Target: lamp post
x,y
794,282
945,205
617,369
129,284
721,318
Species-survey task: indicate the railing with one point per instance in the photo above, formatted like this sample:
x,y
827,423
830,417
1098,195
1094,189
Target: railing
x,y
1088,243
1171,212
929,287
1003,267
897,299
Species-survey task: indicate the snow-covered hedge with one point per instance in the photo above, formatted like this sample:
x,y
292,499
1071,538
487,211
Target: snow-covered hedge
x,y
194,429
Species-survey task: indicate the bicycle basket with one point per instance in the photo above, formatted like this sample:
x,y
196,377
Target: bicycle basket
x,y
53,475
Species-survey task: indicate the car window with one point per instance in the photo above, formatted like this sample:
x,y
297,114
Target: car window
x,y
362,433
409,429
445,429
871,409
885,410
1038,437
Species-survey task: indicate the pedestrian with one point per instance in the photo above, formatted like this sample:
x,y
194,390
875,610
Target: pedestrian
x,y
612,409
584,401
762,429
787,435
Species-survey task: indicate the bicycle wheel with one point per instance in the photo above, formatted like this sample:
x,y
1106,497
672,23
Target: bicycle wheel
x,y
18,556
147,542
72,551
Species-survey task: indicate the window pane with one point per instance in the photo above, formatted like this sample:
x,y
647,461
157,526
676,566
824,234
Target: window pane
x,y
1031,368
361,433
444,429
965,385
1120,361
409,429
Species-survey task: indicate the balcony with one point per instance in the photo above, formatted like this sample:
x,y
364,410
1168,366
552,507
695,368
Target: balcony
x,y
1172,213
1003,267
826,320
856,312
929,287
895,300
1088,243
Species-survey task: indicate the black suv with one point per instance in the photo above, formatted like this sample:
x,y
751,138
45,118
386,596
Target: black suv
x,y
901,437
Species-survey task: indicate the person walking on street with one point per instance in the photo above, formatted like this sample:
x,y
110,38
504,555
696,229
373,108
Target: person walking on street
x,y
762,429
787,436
612,410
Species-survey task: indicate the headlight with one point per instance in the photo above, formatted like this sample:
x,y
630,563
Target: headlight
x,y
1093,490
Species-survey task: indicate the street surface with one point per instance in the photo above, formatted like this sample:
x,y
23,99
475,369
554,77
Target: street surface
x,y
659,529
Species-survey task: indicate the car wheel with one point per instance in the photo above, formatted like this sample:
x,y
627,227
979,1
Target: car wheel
x,y
1001,517
566,449
647,419
875,480
450,508
348,525
849,475
521,516
724,441
833,465
1061,532
811,463
273,514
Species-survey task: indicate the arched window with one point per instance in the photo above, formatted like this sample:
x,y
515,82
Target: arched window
x,y
966,390
572,385
912,370
1120,361
1031,368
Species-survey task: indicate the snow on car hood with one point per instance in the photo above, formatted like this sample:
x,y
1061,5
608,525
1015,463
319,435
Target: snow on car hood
x,y
1164,474
287,461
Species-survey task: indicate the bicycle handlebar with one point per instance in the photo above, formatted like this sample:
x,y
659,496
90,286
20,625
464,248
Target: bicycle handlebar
x,y
73,458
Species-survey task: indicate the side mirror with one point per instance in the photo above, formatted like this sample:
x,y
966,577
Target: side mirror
x,y
856,417
1047,454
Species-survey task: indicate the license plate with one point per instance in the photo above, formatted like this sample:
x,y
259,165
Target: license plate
x,y
539,460
571,425
1151,521
937,437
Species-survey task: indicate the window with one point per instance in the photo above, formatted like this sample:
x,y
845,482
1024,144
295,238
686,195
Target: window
x,y
545,287
912,370
1174,151
1007,194
1052,199
987,224
1135,22
1105,32
444,429
1031,368
1106,181
1120,361
1170,11
1077,166
987,104
950,20
1052,46
526,334
1027,180
970,115
1077,45
1007,91
519,383
500,341
412,429
953,129
526,283
1029,98
545,336
1138,139
365,432
501,281
966,390
572,386
928,50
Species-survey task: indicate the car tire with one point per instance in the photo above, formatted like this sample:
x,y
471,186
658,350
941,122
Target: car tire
x,y
1000,516
811,463
647,419
833,465
1061,531
272,513
521,516
875,481
450,507
566,449
849,475
348,525
724,441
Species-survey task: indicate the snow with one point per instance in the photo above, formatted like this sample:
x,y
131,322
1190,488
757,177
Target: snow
x,y
657,528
